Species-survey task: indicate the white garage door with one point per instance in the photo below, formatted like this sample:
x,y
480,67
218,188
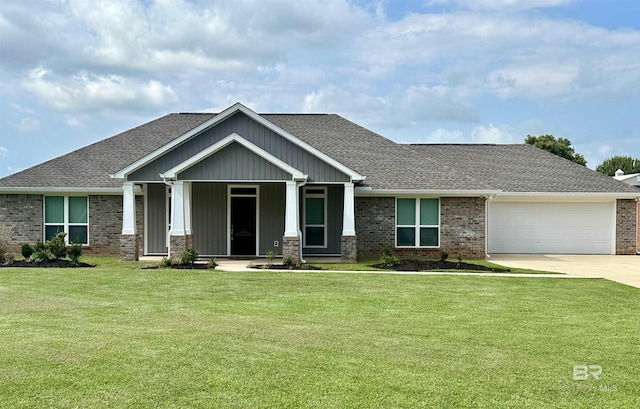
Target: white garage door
x,y
551,228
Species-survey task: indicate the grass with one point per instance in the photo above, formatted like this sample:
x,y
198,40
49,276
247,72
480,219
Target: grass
x,y
118,336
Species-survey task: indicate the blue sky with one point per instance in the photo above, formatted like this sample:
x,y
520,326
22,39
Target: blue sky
x,y
73,72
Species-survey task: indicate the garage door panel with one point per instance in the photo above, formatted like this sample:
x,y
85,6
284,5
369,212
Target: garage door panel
x,y
548,228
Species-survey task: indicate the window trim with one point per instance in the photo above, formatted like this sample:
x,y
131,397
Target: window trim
x,y
322,195
65,223
417,226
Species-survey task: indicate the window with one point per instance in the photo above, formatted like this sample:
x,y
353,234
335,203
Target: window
x,y
69,214
315,217
417,222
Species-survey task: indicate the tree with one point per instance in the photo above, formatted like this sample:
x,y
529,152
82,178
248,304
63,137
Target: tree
x,y
561,147
626,163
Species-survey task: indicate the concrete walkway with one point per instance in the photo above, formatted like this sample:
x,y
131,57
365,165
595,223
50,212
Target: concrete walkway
x,y
621,269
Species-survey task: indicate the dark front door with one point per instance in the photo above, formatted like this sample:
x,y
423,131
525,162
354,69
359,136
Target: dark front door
x,y
243,226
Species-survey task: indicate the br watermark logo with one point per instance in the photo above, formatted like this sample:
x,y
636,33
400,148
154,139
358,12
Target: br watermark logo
x,y
583,372
591,373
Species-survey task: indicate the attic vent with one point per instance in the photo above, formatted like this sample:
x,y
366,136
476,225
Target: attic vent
x,y
619,172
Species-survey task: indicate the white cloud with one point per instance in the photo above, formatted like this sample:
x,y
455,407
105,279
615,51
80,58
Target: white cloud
x,y
492,134
4,151
509,5
73,122
443,136
27,125
521,54
89,92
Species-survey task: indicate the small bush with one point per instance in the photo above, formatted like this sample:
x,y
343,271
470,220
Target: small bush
x,y
39,246
388,258
26,250
41,255
74,252
166,262
288,261
57,246
189,256
212,263
8,260
444,256
271,255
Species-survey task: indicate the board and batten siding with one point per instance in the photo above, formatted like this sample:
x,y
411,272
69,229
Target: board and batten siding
x,y
156,212
272,207
257,134
209,218
234,162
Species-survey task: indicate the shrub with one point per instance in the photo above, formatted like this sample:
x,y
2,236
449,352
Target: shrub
x,y
57,245
444,255
288,261
74,252
39,246
388,258
8,260
166,262
41,255
27,250
189,256
212,263
271,255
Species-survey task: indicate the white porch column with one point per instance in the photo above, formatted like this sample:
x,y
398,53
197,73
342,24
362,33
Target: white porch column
x,y
177,209
348,217
291,225
129,208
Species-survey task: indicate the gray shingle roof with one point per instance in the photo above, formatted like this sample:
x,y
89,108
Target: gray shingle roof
x,y
386,164
522,168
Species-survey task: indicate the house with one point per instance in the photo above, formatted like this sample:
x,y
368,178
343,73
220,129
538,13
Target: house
x,y
239,183
632,179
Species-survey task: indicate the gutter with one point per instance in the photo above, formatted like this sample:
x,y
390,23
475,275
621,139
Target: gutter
x,y
78,190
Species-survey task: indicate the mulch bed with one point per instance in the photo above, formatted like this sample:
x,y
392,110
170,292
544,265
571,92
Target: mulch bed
x,y
283,267
423,265
59,263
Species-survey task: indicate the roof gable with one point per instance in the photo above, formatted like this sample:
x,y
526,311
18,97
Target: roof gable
x,y
157,156
201,167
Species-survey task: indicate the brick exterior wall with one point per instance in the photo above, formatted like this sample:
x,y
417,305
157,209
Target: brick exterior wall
x,y
462,228
626,233
105,225
22,217
21,220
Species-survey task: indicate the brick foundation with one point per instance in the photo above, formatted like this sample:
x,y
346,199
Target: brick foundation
x,y
626,219
291,248
462,228
129,247
178,244
349,252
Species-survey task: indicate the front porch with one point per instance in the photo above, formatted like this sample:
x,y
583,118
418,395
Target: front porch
x,y
249,220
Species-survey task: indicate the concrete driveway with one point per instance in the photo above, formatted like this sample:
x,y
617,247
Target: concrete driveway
x,y
622,269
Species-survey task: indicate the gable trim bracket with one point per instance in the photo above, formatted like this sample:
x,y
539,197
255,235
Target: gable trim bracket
x,y
172,173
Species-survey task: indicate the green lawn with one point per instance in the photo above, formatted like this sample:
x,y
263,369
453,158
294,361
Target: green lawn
x,y
117,336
